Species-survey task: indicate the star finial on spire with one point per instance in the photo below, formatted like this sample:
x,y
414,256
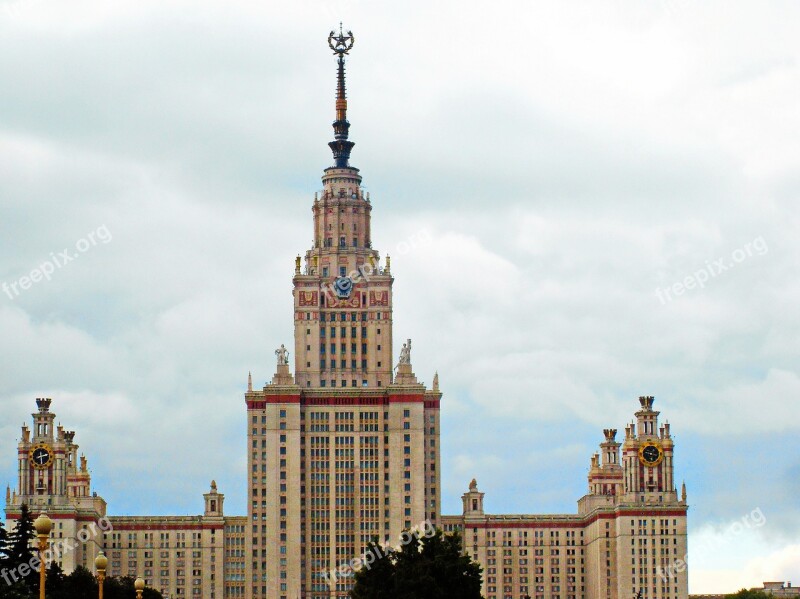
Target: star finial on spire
x,y
341,44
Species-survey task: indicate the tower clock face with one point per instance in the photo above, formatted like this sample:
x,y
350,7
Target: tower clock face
x,y
343,286
651,454
41,456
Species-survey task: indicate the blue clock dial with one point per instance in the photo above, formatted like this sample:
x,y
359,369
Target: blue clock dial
x,y
343,286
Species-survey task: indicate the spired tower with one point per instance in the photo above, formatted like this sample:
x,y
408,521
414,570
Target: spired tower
x,y
54,478
346,449
342,297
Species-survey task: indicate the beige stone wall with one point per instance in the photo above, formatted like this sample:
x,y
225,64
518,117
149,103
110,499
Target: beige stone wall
x,y
235,557
179,556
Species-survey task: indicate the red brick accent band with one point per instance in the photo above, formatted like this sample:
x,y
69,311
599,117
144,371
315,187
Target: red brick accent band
x,y
151,526
262,402
575,523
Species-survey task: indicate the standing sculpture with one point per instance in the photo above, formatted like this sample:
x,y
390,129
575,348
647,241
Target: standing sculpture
x,y
405,353
283,355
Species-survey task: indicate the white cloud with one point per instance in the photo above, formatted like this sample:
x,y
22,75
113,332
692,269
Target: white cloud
x,y
722,559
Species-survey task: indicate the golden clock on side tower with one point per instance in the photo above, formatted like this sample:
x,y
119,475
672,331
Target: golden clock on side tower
x,y
41,456
651,454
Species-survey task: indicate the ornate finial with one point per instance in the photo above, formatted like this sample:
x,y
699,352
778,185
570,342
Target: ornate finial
x,y
436,381
213,485
249,381
683,492
297,265
388,269
610,434
8,494
341,44
473,485
83,463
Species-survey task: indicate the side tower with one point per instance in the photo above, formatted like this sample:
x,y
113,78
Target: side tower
x,y
636,529
52,477
347,448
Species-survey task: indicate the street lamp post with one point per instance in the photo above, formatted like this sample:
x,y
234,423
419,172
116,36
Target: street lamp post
x,y
139,586
43,526
100,564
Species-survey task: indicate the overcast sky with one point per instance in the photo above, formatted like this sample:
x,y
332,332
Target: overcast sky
x,y
551,179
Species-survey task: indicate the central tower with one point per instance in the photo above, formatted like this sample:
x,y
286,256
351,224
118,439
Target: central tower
x,y
342,295
346,449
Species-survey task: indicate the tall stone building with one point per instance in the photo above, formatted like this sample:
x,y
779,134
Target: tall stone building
x,y
346,447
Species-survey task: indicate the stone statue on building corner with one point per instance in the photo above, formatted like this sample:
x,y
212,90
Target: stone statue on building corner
x,y
405,353
283,355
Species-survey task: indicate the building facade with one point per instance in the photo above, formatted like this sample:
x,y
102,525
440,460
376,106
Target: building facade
x,y
182,556
628,536
345,447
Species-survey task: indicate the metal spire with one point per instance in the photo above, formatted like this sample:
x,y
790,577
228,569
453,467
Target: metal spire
x,y
341,146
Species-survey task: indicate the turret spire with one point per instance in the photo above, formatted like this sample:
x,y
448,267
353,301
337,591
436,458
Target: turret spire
x,y
341,146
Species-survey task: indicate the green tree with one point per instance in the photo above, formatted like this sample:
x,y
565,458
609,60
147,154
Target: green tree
x,y
122,588
80,584
424,568
55,584
18,590
750,594
21,550
3,544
